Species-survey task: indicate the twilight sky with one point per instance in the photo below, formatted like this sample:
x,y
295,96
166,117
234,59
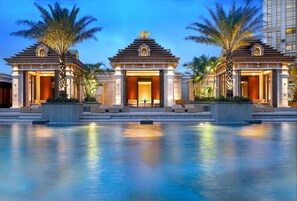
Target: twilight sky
x,y
121,21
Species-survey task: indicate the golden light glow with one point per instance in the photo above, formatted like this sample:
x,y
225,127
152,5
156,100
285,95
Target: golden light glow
x,y
143,131
144,92
142,73
93,149
144,34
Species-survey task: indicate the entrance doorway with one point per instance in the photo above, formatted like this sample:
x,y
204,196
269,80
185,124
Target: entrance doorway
x,y
143,89
144,93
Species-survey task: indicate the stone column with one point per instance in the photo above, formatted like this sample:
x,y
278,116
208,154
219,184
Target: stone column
x,y
217,87
236,83
169,87
118,78
69,77
25,88
283,87
17,87
261,86
37,86
56,83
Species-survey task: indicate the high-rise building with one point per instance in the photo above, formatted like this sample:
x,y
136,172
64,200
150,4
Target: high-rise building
x,y
280,25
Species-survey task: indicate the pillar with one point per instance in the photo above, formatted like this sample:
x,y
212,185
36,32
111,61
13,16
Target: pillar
x,y
56,83
17,87
169,87
37,84
118,88
283,86
69,77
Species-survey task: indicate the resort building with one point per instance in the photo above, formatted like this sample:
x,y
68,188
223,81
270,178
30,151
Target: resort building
x,y
144,76
35,75
260,72
280,25
5,91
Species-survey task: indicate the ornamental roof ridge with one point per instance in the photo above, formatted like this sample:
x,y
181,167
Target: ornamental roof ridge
x,y
157,52
268,51
29,55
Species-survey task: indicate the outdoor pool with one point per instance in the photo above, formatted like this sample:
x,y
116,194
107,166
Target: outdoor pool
x,y
164,161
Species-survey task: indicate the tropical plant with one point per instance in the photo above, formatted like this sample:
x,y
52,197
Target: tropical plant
x,y
293,80
89,80
198,68
228,31
213,63
59,29
201,68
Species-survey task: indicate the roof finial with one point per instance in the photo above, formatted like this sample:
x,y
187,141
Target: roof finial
x,y
144,34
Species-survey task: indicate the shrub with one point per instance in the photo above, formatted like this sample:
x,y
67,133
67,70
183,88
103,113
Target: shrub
x,y
61,100
235,99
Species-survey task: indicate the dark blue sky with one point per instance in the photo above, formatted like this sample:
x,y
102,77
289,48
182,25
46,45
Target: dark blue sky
x,y
121,21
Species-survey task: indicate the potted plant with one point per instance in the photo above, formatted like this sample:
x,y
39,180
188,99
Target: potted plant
x,y
236,109
61,109
90,83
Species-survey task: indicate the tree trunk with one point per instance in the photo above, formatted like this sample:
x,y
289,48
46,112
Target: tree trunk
x,y
62,77
295,91
229,76
213,85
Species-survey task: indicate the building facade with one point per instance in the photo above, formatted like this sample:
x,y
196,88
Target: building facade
x,y
144,76
35,75
5,91
280,25
260,72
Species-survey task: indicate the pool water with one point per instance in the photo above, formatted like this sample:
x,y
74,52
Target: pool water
x,y
164,161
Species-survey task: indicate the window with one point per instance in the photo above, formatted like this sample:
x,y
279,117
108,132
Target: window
x,y
257,50
290,30
144,50
41,52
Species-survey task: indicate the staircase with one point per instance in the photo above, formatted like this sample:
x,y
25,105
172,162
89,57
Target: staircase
x,y
279,115
155,116
13,115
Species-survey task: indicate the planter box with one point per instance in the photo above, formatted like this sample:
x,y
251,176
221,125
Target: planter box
x,y
88,105
229,112
61,112
292,104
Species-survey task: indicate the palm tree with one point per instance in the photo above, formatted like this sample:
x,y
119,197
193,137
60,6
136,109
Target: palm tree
x,y
89,80
293,80
59,29
213,63
228,31
198,68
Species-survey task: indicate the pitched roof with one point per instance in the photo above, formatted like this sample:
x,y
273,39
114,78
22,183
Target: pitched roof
x,y
29,56
157,52
244,52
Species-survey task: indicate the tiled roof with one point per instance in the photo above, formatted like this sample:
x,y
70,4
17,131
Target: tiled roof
x,y
244,52
29,56
157,52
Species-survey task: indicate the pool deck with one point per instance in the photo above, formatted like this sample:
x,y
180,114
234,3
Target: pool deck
x,y
8,115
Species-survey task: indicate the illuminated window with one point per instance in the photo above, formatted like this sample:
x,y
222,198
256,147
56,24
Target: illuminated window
x,y
144,50
41,50
291,30
257,50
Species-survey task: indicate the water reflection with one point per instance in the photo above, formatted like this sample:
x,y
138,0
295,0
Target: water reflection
x,y
93,147
255,131
207,143
143,131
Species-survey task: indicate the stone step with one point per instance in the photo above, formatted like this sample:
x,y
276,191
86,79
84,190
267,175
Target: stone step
x,y
138,120
146,109
9,110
